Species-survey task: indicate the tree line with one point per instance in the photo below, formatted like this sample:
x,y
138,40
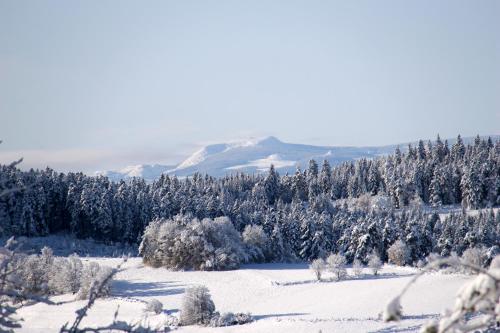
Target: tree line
x,y
353,208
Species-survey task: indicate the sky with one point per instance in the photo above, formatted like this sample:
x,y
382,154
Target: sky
x,y
97,85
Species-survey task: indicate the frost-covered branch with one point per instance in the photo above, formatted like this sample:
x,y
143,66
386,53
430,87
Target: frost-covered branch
x,y
478,299
117,326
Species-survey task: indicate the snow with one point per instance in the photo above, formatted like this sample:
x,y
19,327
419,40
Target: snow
x,y
194,159
263,164
353,305
146,171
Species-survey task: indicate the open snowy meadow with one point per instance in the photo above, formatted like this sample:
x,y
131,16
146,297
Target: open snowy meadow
x,y
281,297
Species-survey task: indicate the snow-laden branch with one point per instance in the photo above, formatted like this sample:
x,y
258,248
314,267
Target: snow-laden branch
x,y
479,298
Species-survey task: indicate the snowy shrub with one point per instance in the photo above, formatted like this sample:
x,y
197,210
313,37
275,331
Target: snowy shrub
x,y
47,256
398,253
197,306
184,243
317,266
89,275
18,284
34,271
65,275
474,257
336,264
357,267
256,242
230,319
92,275
154,305
374,263
45,275
34,275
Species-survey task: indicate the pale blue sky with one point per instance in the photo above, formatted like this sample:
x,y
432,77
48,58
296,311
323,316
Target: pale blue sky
x,y
102,84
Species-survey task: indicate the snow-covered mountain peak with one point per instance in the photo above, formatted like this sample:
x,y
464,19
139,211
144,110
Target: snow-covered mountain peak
x,y
254,155
201,154
270,141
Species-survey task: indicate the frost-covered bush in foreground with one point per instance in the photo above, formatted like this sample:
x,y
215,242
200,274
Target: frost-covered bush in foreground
x,y
15,289
92,275
154,305
476,307
65,276
318,266
336,264
197,306
45,275
186,243
199,309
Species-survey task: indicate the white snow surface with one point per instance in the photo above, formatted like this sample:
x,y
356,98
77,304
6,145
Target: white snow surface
x,y
281,297
146,171
264,163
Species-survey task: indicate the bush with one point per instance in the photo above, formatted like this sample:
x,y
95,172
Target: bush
x,y
357,267
336,264
474,257
230,319
154,305
318,266
185,243
45,275
374,263
197,306
65,275
398,253
93,275
256,243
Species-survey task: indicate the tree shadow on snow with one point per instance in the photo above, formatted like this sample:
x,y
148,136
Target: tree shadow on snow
x,y
125,288
381,276
422,316
279,315
275,266
350,278
171,311
395,329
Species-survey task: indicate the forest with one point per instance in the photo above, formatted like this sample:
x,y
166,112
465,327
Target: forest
x,y
354,208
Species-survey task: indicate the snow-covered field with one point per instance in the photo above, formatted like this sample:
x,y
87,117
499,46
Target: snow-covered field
x,y
281,297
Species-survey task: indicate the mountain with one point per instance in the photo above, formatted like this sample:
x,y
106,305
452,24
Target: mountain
x,y
148,172
255,156
250,156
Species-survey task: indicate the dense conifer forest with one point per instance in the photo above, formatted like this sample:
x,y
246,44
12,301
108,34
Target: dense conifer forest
x,y
353,208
